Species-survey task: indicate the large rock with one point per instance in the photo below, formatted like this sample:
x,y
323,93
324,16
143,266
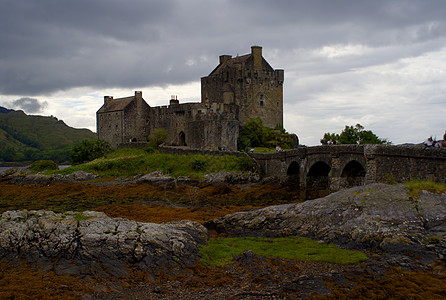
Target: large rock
x,y
376,216
91,242
14,175
232,177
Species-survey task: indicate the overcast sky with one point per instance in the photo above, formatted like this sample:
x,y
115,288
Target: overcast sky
x,y
380,63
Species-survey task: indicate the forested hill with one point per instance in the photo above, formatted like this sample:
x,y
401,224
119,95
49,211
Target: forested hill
x,y
28,138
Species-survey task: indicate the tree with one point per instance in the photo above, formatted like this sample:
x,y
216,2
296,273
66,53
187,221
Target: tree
x,y
88,150
355,135
252,134
157,137
255,134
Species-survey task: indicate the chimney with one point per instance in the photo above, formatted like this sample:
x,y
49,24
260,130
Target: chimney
x,y
256,52
224,58
107,98
174,100
138,94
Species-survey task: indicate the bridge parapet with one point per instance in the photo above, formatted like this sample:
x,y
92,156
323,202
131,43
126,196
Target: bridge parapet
x,y
341,166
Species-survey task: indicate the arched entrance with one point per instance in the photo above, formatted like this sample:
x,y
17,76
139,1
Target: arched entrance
x,y
182,139
318,180
293,173
352,175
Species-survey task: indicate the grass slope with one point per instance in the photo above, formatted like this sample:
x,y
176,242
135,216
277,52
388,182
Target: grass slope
x,y
25,137
131,162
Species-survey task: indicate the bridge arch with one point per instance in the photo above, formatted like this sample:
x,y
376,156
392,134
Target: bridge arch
x,y
293,172
318,179
293,169
353,174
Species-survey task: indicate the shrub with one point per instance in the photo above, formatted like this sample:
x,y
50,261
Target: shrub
x,y
245,163
158,137
198,165
42,165
255,134
149,150
88,150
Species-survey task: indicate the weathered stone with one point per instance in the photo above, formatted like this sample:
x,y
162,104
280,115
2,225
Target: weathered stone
x,y
83,242
81,176
26,177
375,216
232,177
155,177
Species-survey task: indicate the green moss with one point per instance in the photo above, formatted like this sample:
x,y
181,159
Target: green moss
x,y
80,217
220,251
416,186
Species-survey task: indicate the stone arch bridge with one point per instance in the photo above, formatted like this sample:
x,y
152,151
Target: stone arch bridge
x,y
334,167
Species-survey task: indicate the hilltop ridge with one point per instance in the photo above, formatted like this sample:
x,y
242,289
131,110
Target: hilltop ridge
x,y
30,137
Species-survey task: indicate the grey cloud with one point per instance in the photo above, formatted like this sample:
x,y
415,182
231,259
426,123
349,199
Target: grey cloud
x,y
46,46
29,105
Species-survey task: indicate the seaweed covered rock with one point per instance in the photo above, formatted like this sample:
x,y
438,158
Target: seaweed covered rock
x,y
375,216
91,242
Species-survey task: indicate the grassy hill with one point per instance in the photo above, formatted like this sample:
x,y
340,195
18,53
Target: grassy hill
x,y
28,138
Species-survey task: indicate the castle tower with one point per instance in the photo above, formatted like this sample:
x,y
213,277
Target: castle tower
x,y
251,83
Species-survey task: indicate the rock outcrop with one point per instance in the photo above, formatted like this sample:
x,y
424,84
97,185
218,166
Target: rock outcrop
x,y
375,216
14,175
91,242
232,177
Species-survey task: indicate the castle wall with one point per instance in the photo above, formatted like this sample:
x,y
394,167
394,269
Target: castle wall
x,y
212,133
238,89
249,82
110,127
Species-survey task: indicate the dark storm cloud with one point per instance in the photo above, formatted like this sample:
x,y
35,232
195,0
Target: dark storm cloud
x,y
29,105
50,45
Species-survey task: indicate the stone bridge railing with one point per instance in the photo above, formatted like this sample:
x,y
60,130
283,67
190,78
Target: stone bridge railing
x,y
336,167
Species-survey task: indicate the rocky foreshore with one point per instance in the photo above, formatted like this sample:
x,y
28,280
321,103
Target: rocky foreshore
x,y
377,217
92,243
400,229
14,175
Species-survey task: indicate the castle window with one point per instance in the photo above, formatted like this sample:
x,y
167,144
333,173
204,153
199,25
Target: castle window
x,y
261,103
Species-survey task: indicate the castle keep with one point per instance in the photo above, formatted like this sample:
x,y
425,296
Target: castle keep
x,y
239,88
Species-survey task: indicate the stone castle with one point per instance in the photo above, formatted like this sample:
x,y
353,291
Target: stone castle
x,y
239,88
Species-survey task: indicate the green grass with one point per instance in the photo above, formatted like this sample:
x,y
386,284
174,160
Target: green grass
x,y
30,138
264,150
131,162
416,186
220,251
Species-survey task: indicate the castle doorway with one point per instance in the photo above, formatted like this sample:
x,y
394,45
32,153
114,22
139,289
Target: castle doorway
x,y
182,139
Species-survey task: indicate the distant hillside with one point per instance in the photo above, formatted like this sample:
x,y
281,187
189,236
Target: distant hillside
x,y
29,138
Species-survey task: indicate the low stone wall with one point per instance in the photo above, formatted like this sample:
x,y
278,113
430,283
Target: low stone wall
x,y
187,151
131,145
403,163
